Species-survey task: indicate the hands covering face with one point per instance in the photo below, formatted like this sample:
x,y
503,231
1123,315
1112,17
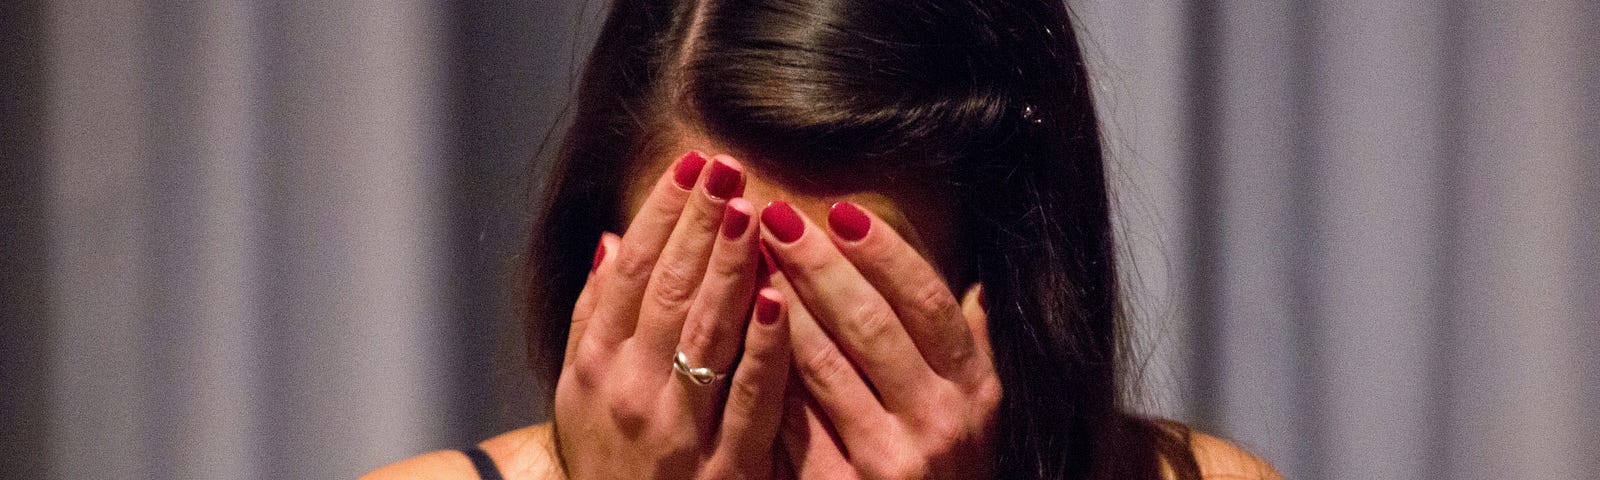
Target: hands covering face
x,y
894,375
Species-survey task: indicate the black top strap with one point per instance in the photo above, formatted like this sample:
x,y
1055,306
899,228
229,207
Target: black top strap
x,y
482,463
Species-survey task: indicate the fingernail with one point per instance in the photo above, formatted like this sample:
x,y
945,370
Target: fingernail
x,y
735,217
767,306
599,254
783,221
847,220
688,170
725,182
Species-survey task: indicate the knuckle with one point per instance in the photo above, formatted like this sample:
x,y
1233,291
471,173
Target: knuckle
x,y
673,285
951,351
679,443
954,353
935,300
871,323
587,366
987,394
743,401
587,303
630,412
717,470
901,467
633,263
944,431
827,367
581,313
727,265
587,375
699,335
707,215
764,352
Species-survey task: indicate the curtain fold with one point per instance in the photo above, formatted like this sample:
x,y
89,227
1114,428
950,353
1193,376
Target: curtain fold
x,y
245,206
1381,249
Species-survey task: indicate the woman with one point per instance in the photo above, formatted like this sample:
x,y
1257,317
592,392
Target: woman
x,y
903,267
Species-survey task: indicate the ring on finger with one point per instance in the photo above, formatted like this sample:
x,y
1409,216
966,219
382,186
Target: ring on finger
x,y
699,376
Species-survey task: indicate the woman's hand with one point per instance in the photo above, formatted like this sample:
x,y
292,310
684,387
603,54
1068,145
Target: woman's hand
x,y
909,389
681,279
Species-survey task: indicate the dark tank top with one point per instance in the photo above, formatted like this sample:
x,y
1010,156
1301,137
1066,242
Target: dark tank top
x,y
482,463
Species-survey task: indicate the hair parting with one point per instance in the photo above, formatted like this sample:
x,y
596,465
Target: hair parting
x,y
985,101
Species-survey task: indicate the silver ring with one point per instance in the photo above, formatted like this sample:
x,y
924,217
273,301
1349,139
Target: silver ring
x,y
699,376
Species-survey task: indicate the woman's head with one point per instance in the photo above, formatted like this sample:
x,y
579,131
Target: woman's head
x,y
971,121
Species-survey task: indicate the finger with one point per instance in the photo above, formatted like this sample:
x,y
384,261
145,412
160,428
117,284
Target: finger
x,y
977,315
589,297
829,377
848,306
813,447
716,322
682,266
930,313
750,421
636,255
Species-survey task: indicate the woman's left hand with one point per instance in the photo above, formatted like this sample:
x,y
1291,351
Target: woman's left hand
x,y
899,375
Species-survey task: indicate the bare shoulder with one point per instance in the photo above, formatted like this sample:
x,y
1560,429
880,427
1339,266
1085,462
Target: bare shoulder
x,y
1222,460
440,465
524,453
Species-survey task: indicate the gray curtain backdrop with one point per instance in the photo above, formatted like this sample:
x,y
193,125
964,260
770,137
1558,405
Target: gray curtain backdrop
x,y
279,239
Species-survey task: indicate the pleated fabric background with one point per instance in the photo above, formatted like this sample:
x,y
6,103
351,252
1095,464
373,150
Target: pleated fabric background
x,y
278,239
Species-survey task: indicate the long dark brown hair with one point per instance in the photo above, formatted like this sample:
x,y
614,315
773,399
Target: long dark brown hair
x,y
986,99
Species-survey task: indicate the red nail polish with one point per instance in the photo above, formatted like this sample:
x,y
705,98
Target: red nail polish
x,y
735,217
725,182
783,221
847,220
599,254
767,306
688,170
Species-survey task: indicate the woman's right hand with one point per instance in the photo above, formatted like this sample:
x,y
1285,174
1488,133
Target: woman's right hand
x,y
681,277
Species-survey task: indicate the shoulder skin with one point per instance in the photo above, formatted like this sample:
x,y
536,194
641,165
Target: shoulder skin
x,y
524,453
528,453
1222,460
